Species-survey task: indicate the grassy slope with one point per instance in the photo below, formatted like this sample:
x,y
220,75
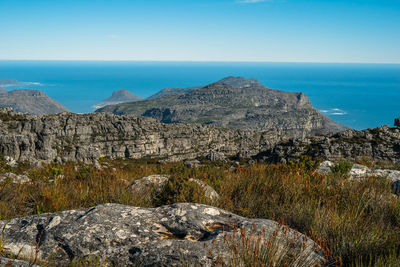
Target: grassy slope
x,y
358,221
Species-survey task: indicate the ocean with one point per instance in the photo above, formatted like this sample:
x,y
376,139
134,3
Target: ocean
x,y
357,95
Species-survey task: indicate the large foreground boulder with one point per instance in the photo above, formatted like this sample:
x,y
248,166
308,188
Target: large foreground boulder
x,y
172,235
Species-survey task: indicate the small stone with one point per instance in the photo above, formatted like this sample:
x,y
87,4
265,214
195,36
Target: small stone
x,y
192,164
10,161
325,167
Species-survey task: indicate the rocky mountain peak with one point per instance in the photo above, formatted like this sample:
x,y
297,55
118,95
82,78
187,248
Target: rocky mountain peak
x,y
117,97
2,90
240,82
124,93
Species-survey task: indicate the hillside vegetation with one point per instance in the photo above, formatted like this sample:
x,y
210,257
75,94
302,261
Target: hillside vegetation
x,y
356,221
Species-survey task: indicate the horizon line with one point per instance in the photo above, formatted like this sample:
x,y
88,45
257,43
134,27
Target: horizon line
x,y
202,61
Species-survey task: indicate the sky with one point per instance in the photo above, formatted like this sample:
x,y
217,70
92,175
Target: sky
x,y
201,30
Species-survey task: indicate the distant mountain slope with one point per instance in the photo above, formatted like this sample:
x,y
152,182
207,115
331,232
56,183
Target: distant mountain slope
x,y
30,101
120,96
236,102
170,91
2,90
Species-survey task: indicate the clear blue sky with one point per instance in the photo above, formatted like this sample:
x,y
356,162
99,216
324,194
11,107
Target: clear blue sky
x,y
201,30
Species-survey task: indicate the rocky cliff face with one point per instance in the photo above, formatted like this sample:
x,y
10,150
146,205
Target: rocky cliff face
x,y
73,137
235,103
120,96
379,144
30,101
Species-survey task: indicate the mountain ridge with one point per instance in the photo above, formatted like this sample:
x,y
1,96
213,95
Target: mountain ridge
x,y
235,102
30,101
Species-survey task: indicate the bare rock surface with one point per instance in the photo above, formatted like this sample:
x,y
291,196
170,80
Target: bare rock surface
x,y
378,144
166,236
87,137
5,262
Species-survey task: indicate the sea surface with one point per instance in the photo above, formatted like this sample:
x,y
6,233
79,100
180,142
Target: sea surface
x,y
357,95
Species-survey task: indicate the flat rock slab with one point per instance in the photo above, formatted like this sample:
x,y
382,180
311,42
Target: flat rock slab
x,y
5,262
166,236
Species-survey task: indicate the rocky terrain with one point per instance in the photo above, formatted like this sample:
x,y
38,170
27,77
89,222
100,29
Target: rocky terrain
x,y
120,96
30,101
237,103
379,144
85,138
2,90
166,236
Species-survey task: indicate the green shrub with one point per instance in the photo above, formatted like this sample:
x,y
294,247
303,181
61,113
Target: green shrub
x,y
342,167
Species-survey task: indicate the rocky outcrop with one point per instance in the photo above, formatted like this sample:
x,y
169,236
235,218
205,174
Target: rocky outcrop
x,y
119,235
397,122
379,144
86,137
238,103
120,96
30,101
2,90
156,182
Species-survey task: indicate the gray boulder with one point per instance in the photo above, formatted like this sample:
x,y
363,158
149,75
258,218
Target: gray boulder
x,y
325,167
172,235
192,163
209,192
156,182
359,171
148,183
